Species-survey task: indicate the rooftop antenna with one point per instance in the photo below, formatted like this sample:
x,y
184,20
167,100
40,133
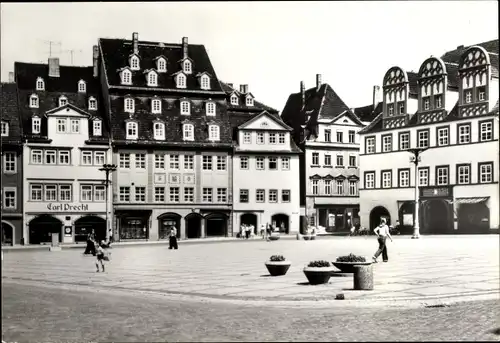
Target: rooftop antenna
x,y
71,52
52,44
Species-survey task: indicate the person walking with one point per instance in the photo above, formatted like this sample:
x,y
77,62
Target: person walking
x,y
173,238
382,232
91,245
101,256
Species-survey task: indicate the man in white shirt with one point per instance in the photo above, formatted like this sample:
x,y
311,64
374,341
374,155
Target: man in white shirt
x,y
382,232
173,238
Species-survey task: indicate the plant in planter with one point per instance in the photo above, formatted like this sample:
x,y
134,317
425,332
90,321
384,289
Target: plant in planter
x,y
346,263
318,272
277,265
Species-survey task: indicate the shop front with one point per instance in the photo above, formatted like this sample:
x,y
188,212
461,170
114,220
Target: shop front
x,y
337,218
72,221
132,224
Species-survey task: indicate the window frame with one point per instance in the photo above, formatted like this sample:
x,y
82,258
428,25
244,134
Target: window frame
x,y
131,126
436,175
36,123
125,195
339,186
491,131
272,159
152,79
352,133
353,165
210,109
205,82
315,186
159,194
188,194
124,160
339,134
382,181
261,138
480,174
188,132
181,81
273,196
82,192
159,161
244,162
438,137
74,125
328,135
428,138
135,63
92,104
457,173
7,163
459,135
159,130
140,160
365,183
244,193
63,101
352,183
260,195
371,139
327,186
315,156
34,101
4,125
61,125
129,104
39,81
232,98
283,193
285,163
82,86
260,163
221,162
40,155
339,158
249,100
156,106
40,189
174,162
383,142
427,178
126,77
60,192
247,137
174,194
185,108
400,171
207,162
5,192
61,153
214,132
207,194
188,162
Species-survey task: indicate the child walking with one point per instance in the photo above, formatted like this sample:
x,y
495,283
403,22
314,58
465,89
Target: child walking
x,y
101,256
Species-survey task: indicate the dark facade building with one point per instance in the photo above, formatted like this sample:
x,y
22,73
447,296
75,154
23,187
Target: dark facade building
x,y
12,166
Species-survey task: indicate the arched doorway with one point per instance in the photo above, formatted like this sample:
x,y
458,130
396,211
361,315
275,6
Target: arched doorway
x,y
85,225
166,221
193,225
406,217
42,227
473,218
216,225
282,222
376,215
7,233
249,219
436,216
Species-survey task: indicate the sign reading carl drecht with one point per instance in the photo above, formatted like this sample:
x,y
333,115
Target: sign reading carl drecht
x,y
67,207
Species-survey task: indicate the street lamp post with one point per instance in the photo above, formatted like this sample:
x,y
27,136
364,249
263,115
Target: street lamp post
x,y
415,159
108,169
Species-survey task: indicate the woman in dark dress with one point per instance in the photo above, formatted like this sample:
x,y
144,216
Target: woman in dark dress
x,y
90,249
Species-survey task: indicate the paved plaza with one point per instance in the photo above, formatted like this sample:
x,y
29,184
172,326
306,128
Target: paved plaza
x,y
432,269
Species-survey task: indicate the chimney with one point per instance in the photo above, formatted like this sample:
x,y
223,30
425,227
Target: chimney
x,y
184,47
135,42
376,96
303,93
230,85
244,89
318,81
11,77
54,67
96,60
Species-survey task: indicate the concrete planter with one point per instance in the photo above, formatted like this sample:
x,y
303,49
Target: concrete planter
x,y
274,236
348,267
318,275
278,268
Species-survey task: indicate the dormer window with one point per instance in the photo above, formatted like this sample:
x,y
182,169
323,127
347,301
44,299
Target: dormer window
x,y
82,86
156,106
185,107
40,84
4,129
159,131
214,133
152,79
132,131
63,101
129,105
390,108
34,101
92,103
126,77
187,67
181,81
427,103
97,129
161,65
36,125
134,62
188,132
468,96
234,100
205,82
249,101
210,108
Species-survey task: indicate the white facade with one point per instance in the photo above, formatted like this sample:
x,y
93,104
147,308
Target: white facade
x,y
62,178
332,173
265,175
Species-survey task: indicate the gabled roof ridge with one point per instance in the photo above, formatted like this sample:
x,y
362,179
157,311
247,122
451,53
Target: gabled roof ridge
x,y
278,120
372,124
323,99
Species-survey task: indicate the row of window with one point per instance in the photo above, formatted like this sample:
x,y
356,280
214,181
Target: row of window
x,y
273,138
442,177
236,101
34,102
156,106
40,85
351,136
174,161
260,163
328,160
152,79
132,131
174,194
64,192
260,195
340,189
63,126
161,64
63,157
464,136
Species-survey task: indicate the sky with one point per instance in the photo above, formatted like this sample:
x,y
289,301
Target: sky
x,y
271,46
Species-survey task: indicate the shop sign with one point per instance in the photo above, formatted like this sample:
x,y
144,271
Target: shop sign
x,y
67,207
68,230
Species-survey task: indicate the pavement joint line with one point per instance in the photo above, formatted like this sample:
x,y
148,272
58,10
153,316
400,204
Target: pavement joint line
x,y
256,300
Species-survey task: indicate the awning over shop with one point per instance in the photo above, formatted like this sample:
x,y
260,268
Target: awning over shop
x,y
471,200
